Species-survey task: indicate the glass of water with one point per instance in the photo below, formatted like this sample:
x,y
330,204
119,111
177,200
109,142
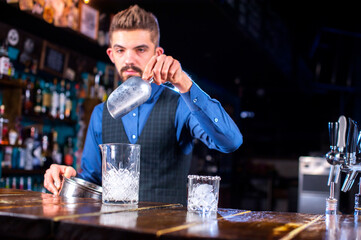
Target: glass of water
x,y
203,192
120,173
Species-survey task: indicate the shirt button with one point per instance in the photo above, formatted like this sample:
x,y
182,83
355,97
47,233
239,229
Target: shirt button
x,y
134,114
133,136
216,120
195,100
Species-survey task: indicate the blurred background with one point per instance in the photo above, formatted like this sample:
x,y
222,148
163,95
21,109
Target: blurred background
x,y
281,69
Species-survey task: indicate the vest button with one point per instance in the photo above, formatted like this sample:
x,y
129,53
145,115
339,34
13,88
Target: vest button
x,y
133,136
216,120
195,100
134,114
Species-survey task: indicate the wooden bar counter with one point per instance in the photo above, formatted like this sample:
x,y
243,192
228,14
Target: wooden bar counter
x,y
35,215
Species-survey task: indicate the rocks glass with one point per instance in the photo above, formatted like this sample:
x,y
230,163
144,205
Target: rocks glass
x,y
203,192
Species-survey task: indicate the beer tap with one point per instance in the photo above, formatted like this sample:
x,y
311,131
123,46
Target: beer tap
x,y
336,158
350,165
341,142
345,157
358,161
331,155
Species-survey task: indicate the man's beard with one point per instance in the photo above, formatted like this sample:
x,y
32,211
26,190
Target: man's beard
x,y
129,67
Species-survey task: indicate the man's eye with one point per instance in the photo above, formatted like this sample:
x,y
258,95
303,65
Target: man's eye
x,y
119,50
141,49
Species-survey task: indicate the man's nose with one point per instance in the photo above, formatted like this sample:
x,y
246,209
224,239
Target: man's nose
x,y
129,58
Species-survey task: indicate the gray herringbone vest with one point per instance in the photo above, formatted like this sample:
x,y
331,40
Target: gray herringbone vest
x,y
163,166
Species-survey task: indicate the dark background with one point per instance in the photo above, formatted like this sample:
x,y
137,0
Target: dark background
x,y
282,70
287,67
262,57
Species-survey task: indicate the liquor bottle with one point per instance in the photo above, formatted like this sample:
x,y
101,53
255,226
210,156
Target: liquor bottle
x,y
62,99
69,152
38,97
21,183
36,151
29,183
15,158
29,143
46,151
56,154
13,185
7,182
22,158
28,97
6,68
54,99
68,101
3,126
45,106
6,163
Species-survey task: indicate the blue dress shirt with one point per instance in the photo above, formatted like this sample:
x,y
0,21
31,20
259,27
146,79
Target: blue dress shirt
x,y
197,116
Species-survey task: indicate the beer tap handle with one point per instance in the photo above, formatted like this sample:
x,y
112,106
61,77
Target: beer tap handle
x,y
354,143
358,148
352,157
349,137
341,132
332,131
355,133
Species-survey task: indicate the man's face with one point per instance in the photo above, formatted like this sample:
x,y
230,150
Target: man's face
x,y
130,51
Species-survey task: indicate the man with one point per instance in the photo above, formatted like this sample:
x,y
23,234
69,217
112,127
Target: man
x,y
164,126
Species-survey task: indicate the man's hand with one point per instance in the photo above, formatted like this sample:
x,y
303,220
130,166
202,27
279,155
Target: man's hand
x,y
54,175
163,69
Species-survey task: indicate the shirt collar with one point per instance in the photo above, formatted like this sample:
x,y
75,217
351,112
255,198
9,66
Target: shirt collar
x,y
156,91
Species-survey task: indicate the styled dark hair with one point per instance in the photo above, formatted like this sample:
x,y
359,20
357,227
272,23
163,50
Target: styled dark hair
x,y
134,18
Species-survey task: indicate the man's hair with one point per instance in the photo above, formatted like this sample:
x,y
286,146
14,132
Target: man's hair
x,y
134,18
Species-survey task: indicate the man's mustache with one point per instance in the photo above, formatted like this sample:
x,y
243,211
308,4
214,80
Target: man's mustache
x,y
134,68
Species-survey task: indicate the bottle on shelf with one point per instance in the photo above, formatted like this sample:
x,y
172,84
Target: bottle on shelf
x,y
29,183
29,143
36,151
100,87
6,67
6,162
28,97
7,182
38,96
22,156
46,151
56,154
13,185
21,183
54,99
46,103
15,158
68,101
69,152
62,99
3,126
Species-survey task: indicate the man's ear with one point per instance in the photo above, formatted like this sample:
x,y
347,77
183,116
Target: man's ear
x,y
159,51
110,54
